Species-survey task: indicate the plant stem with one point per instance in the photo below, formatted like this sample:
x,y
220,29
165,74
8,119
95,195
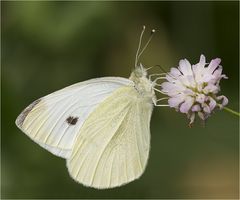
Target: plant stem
x,y
231,111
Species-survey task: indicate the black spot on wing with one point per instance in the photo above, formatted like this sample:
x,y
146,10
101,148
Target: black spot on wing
x,y
72,120
24,114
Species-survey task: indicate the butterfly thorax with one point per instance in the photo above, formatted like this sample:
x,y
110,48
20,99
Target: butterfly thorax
x,y
142,84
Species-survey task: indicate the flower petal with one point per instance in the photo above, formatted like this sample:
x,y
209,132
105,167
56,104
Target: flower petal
x,y
191,81
206,108
166,86
199,67
210,88
218,72
175,72
188,92
196,108
213,65
212,103
170,78
172,88
185,67
224,100
185,107
200,98
175,101
202,61
207,77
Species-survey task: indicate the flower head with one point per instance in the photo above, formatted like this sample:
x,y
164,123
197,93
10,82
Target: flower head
x,y
193,89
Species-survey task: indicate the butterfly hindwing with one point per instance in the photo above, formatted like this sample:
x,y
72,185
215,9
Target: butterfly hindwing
x,y
55,120
112,147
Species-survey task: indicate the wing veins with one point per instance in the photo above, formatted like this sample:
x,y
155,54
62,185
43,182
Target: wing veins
x,y
109,142
72,112
44,122
135,133
88,152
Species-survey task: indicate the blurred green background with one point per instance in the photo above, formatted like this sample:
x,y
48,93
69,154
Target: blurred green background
x,y
49,45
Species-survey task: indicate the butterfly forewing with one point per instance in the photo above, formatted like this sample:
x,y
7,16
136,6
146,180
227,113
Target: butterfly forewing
x,y
55,120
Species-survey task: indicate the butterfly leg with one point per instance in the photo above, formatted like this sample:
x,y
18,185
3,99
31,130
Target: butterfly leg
x,y
158,100
151,75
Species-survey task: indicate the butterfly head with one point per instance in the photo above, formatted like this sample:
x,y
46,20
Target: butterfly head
x,y
139,72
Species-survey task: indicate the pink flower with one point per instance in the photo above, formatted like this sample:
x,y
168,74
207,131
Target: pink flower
x,y
193,89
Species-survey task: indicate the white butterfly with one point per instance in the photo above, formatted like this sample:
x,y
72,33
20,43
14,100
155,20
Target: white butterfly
x,y
100,126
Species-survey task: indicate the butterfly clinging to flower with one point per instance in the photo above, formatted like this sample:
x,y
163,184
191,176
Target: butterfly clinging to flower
x,y
100,126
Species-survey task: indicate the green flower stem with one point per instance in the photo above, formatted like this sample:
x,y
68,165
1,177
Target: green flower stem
x,y
231,111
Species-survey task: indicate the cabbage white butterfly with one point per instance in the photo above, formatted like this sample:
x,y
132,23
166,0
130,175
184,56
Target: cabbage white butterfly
x,y
100,126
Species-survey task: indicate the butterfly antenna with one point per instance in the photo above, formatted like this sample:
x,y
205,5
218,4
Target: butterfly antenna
x,y
139,46
145,46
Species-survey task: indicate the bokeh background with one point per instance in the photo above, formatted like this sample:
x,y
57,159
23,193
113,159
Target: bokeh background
x,y
49,45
